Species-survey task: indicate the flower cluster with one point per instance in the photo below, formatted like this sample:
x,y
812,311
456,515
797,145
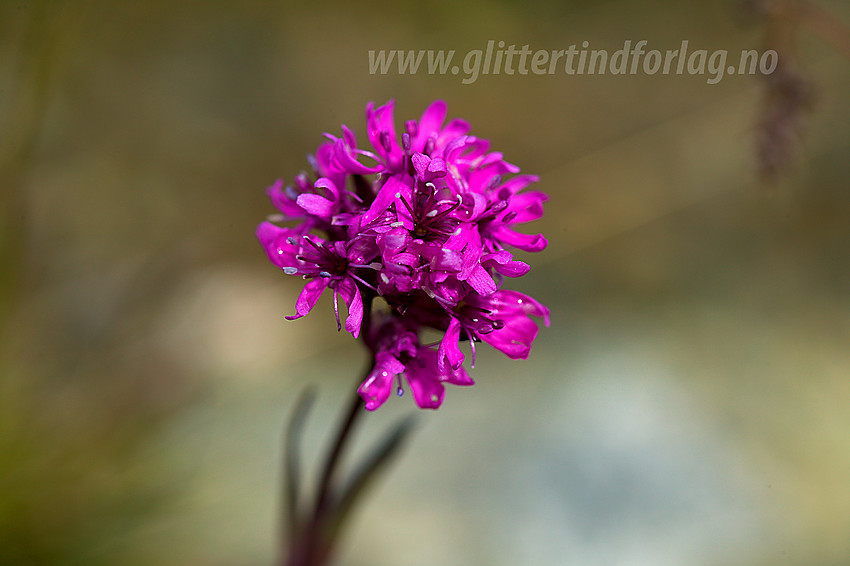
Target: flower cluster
x,y
424,222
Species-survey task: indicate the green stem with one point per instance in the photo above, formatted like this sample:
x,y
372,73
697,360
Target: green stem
x,y
312,547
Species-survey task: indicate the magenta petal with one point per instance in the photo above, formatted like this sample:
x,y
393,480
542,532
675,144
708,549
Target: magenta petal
x,y
514,300
515,338
481,281
393,241
449,356
525,242
268,233
329,186
447,260
349,163
503,262
274,240
348,136
428,393
377,386
466,235
458,377
476,205
454,129
351,295
513,268
380,128
405,259
324,159
428,169
420,162
516,184
471,253
375,390
437,168
309,297
386,196
519,331
282,201
429,124
526,207
379,120
316,205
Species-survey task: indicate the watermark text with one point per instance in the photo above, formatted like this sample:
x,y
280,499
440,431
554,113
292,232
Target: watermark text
x,y
633,59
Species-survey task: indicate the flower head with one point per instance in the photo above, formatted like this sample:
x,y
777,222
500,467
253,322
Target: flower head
x,y
424,220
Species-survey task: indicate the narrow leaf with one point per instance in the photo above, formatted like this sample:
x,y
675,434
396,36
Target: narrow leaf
x,y
292,464
363,477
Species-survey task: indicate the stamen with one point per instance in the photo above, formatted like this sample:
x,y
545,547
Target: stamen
x,y
441,232
354,276
469,307
324,253
485,327
498,207
374,265
385,141
471,345
407,206
445,302
336,310
446,211
412,127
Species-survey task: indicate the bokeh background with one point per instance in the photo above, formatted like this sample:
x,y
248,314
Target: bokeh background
x,y
688,405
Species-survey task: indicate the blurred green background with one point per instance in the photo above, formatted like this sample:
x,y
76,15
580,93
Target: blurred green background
x,y
688,404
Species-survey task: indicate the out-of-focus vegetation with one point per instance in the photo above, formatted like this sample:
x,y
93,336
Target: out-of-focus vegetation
x,y
687,406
